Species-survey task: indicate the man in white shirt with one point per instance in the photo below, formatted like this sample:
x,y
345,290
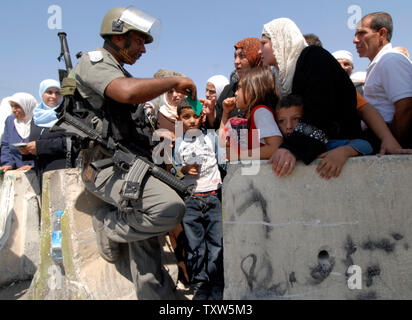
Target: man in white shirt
x,y
388,85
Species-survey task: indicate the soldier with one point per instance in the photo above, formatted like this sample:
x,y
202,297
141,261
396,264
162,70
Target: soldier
x,y
113,93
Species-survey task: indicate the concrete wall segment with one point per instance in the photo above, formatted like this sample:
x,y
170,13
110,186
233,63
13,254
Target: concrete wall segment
x,y
278,231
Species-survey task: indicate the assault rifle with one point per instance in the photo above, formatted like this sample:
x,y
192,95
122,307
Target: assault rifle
x,y
64,52
74,121
136,166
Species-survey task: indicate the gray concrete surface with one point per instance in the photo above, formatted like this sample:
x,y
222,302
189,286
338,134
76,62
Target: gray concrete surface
x,y
83,273
19,226
296,237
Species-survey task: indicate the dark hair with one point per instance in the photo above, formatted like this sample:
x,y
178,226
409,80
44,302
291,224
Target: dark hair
x,y
381,20
312,39
290,101
259,85
183,104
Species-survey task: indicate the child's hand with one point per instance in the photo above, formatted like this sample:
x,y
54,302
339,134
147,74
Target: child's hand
x,y
190,169
333,161
228,105
208,108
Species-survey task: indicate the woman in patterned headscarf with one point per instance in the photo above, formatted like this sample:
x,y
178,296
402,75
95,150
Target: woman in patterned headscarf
x,y
329,97
247,56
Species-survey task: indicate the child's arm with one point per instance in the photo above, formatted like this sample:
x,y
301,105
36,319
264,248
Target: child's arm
x,y
190,169
272,144
209,110
269,132
228,105
375,122
334,160
266,151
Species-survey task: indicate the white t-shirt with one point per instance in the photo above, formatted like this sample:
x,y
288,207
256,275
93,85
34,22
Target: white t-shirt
x,y
201,149
266,124
388,80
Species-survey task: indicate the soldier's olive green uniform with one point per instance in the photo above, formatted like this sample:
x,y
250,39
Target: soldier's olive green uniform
x,y
158,210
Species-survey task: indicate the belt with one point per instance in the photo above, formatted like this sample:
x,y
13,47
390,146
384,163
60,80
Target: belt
x,y
205,193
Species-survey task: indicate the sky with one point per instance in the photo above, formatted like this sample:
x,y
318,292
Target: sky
x,y
197,36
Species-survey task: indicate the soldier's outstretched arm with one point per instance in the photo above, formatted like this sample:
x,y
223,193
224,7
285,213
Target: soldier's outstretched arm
x,y
133,90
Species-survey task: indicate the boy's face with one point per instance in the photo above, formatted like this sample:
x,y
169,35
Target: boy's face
x,y
288,118
190,119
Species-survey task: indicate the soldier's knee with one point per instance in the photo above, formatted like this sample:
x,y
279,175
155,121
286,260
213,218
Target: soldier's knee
x,y
176,209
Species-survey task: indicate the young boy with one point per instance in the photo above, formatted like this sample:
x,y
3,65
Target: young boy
x,y
196,156
289,112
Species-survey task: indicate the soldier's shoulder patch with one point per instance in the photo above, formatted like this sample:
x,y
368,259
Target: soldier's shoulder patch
x,y
95,56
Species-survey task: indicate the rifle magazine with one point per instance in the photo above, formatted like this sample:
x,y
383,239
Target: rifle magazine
x,y
132,186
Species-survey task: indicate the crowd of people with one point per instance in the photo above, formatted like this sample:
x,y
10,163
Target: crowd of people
x,y
297,100
26,141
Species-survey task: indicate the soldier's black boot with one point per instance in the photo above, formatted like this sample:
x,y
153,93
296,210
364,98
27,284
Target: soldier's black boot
x,y
108,249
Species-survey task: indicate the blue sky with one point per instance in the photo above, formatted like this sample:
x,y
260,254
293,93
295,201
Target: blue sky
x,y
197,36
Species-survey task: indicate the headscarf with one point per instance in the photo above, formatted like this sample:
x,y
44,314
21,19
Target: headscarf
x,y
359,76
167,109
343,54
287,44
160,102
27,102
219,82
251,47
5,111
45,116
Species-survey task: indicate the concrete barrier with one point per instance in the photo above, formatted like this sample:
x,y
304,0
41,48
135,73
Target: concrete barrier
x,y
19,226
83,273
303,237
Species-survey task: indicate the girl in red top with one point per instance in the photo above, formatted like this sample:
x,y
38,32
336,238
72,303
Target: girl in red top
x,y
257,96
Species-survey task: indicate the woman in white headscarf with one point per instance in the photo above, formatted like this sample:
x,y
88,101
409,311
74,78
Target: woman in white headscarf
x,y
328,94
47,148
167,115
17,131
214,88
5,111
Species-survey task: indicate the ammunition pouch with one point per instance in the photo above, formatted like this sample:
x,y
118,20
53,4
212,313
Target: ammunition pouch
x,y
134,182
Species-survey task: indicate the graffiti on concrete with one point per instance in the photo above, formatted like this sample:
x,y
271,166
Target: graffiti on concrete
x,y
256,197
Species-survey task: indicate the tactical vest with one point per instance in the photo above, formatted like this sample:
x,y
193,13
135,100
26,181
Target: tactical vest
x,y
117,122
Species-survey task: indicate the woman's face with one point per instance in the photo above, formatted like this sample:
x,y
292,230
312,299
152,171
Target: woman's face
x,y
211,92
173,97
266,51
51,97
241,62
17,111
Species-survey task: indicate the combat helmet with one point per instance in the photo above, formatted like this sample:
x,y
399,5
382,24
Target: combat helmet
x,y
122,20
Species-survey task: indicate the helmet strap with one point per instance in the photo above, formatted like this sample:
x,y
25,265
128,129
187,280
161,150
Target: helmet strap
x,y
122,52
